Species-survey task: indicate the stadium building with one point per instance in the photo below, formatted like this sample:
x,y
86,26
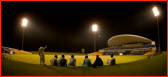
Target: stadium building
x,y
128,44
13,50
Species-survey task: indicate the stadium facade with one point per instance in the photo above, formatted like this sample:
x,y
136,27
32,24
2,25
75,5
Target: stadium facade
x,y
128,44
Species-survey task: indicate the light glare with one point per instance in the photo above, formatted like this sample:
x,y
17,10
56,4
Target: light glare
x,y
94,27
24,22
155,11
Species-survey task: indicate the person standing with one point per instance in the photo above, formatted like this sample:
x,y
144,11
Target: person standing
x,y
41,54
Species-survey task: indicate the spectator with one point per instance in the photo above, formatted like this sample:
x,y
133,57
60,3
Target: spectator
x,y
86,62
111,61
98,62
53,61
62,61
72,62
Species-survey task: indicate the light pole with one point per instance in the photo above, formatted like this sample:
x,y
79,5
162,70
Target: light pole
x,y
156,13
24,23
94,27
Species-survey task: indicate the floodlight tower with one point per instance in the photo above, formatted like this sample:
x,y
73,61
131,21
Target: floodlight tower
x,y
24,23
156,13
94,27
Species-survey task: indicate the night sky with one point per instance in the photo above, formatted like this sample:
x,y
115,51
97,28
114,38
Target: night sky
x,y
67,26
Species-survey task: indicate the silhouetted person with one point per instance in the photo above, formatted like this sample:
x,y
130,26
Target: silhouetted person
x,y
98,62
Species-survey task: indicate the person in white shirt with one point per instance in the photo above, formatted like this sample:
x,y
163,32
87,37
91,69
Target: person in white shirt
x,y
72,62
111,61
41,54
53,61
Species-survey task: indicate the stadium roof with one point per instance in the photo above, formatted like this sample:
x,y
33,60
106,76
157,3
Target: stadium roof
x,y
127,39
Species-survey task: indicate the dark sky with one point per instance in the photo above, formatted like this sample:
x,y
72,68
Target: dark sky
x,y
67,26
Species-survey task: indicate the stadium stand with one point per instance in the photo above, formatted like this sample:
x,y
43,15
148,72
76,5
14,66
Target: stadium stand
x,y
128,44
96,53
5,50
100,53
150,52
127,53
15,51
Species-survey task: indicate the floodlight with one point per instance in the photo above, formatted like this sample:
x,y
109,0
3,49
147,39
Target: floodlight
x,y
155,11
24,22
94,27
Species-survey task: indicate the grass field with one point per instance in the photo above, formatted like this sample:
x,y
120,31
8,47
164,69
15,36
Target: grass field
x,y
35,59
57,53
141,66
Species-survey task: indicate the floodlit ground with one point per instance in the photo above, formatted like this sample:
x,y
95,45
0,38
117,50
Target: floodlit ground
x,y
35,59
28,65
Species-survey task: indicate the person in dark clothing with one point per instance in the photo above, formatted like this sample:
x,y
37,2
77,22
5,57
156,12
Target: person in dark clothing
x,y
98,62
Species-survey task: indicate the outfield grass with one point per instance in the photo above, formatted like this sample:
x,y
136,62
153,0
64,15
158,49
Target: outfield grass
x,y
155,66
35,59
57,53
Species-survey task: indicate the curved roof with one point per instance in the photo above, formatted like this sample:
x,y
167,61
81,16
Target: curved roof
x,y
126,39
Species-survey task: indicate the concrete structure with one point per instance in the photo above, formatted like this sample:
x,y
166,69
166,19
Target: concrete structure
x,y
128,44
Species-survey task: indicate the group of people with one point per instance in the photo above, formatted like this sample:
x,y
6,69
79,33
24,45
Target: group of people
x,y
63,62
98,61
86,63
72,61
